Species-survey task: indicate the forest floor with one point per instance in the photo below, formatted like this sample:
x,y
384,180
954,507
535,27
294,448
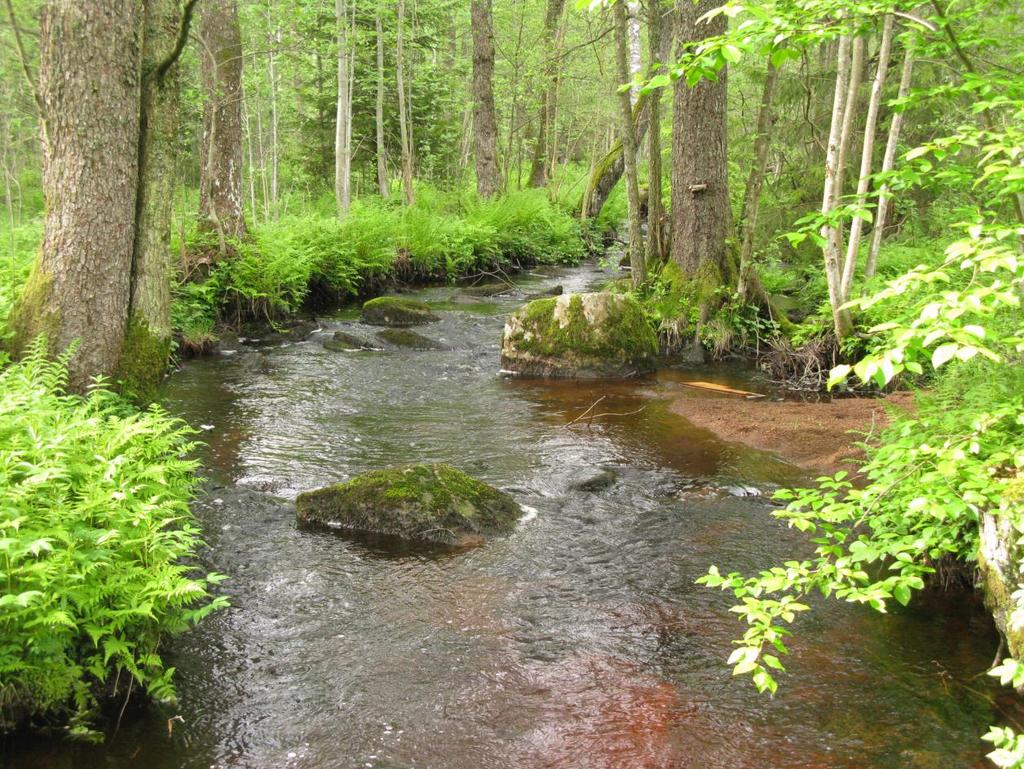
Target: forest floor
x,y
822,436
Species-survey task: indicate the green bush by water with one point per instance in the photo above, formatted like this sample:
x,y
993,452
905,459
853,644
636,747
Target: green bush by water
x,y
94,527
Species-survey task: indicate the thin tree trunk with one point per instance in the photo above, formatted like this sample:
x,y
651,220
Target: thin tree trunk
x,y
343,123
654,186
868,151
700,192
832,233
635,247
545,113
849,116
888,161
403,119
220,201
382,166
274,119
485,123
636,59
755,180
90,90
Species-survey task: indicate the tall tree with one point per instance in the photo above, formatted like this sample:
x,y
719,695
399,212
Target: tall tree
x,y
403,118
485,123
635,247
343,113
220,180
888,161
700,193
548,94
382,165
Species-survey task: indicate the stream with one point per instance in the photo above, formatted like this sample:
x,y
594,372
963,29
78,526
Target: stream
x,y
580,641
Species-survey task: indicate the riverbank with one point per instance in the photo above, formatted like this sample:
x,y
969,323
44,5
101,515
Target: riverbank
x,y
817,436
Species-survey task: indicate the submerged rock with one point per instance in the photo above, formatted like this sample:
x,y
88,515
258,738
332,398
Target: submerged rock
x,y
342,341
579,336
397,312
553,291
434,503
597,481
403,337
487,289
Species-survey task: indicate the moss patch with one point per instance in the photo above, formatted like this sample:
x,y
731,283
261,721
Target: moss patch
x,y
32,314
436,503
397,312
143,361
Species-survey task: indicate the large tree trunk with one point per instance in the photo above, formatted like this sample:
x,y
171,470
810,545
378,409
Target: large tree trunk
x,y
654,187
382,166
868,151
546,111
485,123
700,193
220,182
755,181
90,92
343,116
403,119
635,247
833,233
148,342
888,161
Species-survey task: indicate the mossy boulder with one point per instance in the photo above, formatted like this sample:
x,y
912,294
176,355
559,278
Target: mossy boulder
x,y
432,503
553,291
579,336
397,312
410,340
488,289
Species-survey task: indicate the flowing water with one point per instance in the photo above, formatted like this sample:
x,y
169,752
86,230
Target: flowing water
x,y
579,641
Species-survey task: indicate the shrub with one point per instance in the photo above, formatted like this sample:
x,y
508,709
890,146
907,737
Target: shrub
x,y
94,527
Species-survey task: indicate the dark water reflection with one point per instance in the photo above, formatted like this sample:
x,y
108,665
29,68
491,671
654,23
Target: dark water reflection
x,y
579,641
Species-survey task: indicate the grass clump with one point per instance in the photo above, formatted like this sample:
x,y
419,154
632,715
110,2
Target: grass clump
x,y
94,527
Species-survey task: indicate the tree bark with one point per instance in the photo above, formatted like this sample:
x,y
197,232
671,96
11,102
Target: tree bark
x,y
220,185
868,151
654,186
382,165
485,123
833,232
636,59
888,161
635,247
545,113
755,180
403,119
700,193
149,332
343,116
90,93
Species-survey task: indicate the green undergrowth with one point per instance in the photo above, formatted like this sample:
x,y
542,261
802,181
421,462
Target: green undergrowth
x,y
320,259
95,535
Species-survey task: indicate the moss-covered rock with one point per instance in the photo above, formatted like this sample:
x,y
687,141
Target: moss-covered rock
x,y
1000,565
397,312
434,503
410,340
553,291
488,289
579,336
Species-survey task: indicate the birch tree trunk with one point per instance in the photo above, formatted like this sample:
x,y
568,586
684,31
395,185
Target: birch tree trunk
x,y
755,180
485,123
343,115
274,120
220,185
546,111
89,89
635,247
868,151
888,161
403,119
636,58
832,233
382,166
